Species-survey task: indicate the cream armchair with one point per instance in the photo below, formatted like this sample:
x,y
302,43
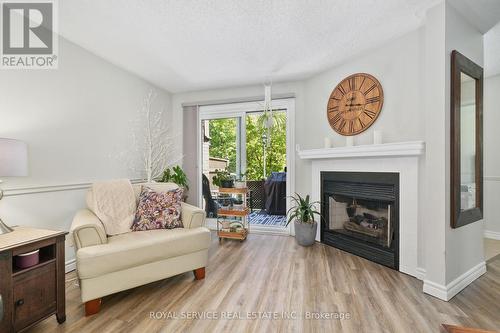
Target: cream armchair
x,y
106,265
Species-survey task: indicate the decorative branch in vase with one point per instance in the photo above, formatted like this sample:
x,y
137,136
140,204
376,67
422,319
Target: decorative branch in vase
x,y
159,147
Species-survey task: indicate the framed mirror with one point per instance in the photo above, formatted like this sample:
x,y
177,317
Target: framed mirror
x,y
466,141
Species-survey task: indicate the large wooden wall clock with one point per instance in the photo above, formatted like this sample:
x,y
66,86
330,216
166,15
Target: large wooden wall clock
x,y
355,104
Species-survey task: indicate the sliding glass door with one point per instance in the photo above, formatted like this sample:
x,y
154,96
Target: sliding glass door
x,y
253,145
222,147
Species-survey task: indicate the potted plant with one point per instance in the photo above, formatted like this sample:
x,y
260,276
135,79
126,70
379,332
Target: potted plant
x,y
223,179
178,176
302,213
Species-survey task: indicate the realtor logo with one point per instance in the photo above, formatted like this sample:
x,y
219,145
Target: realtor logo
x,y
29,38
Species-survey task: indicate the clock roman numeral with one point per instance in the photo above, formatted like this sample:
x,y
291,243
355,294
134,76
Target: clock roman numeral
x,y
342,90
373,100
336,118
361,124
353,83
370,89
333,109
361,85
335,98
342,125
369,113
351,126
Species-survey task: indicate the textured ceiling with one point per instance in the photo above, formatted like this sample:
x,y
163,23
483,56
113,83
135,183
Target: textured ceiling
x,y
187,45
483,14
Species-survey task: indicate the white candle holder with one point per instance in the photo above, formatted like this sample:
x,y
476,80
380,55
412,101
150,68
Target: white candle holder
x,y
377,137
327,142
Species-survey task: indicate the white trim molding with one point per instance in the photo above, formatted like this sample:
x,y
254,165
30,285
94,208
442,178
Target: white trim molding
x,y
413,148
454,287
23,190
70,265
420,273
492,234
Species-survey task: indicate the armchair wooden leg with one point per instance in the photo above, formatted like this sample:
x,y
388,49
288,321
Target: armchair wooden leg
x,y
92,307
199,274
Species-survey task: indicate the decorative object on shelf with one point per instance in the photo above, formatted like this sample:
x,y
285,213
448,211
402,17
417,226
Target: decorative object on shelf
x,y
349,141
241,182
238,203
13,163
466,151
223,179
377,137
226,225
26,260
233,223
327,142
302,213
355,104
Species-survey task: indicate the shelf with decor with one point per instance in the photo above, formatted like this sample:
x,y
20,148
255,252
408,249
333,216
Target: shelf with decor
x,y
232,216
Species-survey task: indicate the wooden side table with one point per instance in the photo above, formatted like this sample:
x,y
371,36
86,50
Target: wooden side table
x,y
31,294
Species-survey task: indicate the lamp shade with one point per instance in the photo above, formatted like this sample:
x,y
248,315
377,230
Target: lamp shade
x,y
13,158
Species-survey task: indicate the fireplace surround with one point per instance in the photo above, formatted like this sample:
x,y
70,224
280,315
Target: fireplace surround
x,y
361,214
402,158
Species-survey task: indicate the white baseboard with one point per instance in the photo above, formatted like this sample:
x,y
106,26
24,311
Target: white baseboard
x,y
435,289
412,271
70,265
492,234
454,287
420,273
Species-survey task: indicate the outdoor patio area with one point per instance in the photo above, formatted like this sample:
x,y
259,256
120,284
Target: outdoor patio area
x,y
264,219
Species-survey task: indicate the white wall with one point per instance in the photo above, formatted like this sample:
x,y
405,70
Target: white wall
x,y
434,217
77,121
464,246
491,156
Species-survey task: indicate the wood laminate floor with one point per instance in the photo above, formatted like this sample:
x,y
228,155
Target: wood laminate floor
x,y
491,248
271,276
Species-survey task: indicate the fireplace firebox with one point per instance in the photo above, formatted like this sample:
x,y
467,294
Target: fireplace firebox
x,y
361,214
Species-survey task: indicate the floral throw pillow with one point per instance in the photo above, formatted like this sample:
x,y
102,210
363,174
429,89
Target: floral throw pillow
x,y
158,210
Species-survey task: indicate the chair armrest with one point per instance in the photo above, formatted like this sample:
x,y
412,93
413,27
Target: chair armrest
x,y
192,216
87,229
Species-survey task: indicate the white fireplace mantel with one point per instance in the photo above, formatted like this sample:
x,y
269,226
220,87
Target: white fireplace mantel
x,y
402,158
412,148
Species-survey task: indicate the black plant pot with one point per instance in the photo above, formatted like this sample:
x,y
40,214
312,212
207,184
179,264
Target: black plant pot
x,y
227,183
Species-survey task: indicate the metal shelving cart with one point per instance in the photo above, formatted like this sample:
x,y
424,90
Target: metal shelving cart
x,y
232,219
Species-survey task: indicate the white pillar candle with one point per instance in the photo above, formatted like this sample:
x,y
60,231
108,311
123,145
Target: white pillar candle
x,y
328,142
377,137
349,141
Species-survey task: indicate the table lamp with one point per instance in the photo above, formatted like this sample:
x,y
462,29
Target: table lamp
x,y
13,163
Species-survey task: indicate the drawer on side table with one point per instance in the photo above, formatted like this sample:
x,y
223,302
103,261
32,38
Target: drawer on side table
x,y
34,295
